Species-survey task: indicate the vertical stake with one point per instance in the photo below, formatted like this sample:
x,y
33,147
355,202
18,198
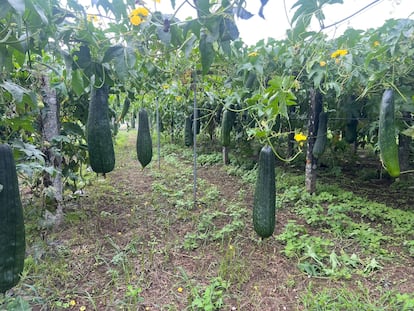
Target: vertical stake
x,y
158,133
195,117
311,161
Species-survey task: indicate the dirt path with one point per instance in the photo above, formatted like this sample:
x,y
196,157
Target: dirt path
x,y
137,241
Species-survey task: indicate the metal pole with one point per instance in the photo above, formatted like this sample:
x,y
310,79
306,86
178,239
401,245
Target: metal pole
x,y
195,117
158,133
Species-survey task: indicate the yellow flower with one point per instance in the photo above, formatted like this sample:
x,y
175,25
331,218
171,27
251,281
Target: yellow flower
x,y
83,308
300,138
322,63
137,16
165,86
253,54
180,289
135,20
376,43
338,53
92,18
72,303
140,11
157,1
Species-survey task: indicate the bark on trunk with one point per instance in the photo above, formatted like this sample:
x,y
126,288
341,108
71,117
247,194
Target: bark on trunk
x,y
311,161
51,129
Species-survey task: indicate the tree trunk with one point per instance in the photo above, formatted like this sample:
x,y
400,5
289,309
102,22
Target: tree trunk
x,y
311,161
51,129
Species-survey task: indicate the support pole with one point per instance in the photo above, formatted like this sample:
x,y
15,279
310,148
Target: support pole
x,y
195,119
311,161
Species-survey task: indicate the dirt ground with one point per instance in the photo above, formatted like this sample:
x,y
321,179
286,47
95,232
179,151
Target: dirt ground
x,y
133,234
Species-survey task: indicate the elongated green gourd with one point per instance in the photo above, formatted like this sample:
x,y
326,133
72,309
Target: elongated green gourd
x,y
226,126
386,135
12,232
321,136
144,140
99,136
351,133
265,194
188,132
125,108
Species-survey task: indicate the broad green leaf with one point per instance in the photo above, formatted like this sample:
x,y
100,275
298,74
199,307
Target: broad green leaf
x,y
72,128
82,58
124,62
41,13
188,48
203,8
14,89
18,5
228,29
77,82
409,132
113,52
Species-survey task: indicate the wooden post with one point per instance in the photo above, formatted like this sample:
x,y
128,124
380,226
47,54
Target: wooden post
x,y
311,161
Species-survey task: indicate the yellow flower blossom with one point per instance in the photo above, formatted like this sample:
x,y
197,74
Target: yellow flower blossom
x,y
300,138
165,86
338,53
83,308
138,15
92,18
322,63
72,303
253,54
376,43
157,1
135,20
180,289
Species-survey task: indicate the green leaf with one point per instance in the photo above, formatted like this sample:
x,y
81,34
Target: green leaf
x,y
207,53
113,52
15,90
41,14
124,62
203,8
408,132
77,82
18,5
228,29
82,58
